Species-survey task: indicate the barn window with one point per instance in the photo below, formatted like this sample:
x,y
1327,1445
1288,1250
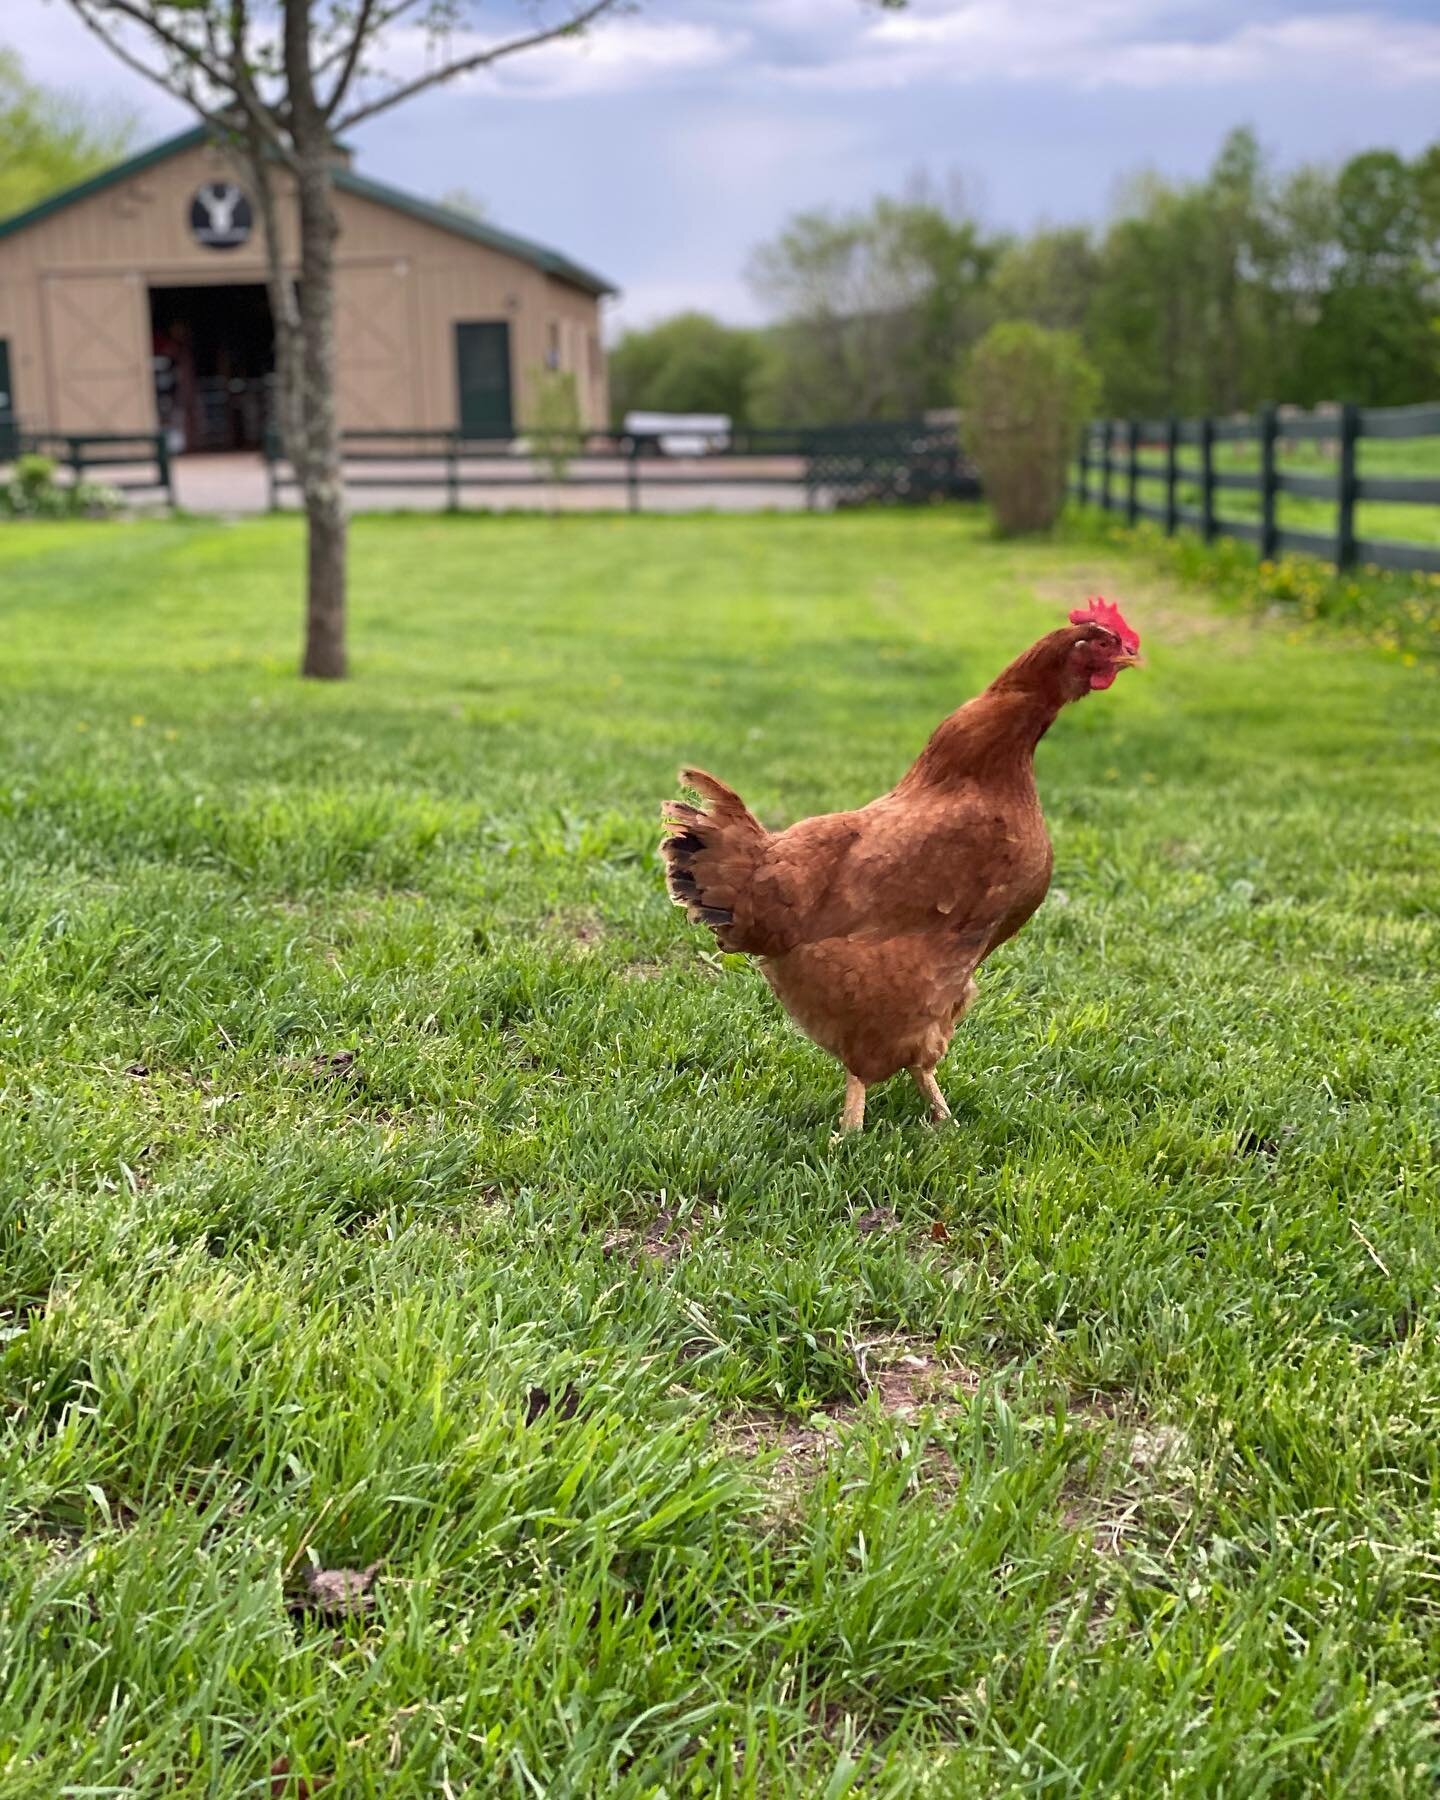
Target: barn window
x,y
552,346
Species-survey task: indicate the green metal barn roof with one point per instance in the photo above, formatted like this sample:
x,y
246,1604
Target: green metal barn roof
x,y
445,218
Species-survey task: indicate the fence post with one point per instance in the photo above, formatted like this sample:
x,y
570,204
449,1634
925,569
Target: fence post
x,y
632,475
1107,438
1172,443
452,472
1132,474
1207,480
163,468
1082,485
76,458
1348,486
1267,429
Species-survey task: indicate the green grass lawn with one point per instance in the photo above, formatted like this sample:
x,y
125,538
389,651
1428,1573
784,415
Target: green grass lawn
x,y
388,1174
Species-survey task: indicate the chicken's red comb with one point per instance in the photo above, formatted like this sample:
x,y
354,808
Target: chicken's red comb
x,y
1096,611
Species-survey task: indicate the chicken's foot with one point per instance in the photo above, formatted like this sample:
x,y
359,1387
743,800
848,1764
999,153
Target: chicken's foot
x,y
852,1114
929,1087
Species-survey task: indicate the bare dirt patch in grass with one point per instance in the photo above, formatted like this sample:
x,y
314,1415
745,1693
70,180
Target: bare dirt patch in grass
x,y
902,1375
1139,1475
1142,1469
663,1238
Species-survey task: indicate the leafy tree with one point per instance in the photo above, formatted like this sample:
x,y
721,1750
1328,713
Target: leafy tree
x,y
1294,285
1174,323
1147,313
1048,278
280,82
690,363
1427,193
49,141
1377,320
873,308
1247,287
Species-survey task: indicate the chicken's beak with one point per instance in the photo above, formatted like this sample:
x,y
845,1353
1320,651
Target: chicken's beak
x,y
1130,660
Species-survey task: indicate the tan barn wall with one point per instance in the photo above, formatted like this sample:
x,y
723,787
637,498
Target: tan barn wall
x,y
74,306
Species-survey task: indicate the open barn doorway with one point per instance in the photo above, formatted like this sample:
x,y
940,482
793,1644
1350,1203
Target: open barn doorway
x,y
214,356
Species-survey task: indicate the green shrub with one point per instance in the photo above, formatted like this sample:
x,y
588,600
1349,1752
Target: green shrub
x,y
555,434
1024,393
32,492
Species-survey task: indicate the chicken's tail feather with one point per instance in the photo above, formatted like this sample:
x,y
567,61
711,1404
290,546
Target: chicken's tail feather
x,y
711,854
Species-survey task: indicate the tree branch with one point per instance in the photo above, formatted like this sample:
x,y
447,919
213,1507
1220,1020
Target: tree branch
x,y
262,119
170,84
172,40
341,51
363,26
482,59
173,82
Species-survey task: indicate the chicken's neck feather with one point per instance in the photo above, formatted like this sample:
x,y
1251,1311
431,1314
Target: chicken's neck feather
x,y
993,735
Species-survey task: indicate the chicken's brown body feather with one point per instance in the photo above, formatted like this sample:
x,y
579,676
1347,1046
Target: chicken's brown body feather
x,y
869,925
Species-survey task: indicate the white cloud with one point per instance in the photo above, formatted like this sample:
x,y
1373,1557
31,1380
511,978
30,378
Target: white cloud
x,y
1139,44
614,57
628,54
1358,47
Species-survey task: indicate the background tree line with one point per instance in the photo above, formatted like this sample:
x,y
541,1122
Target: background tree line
x,y
49,141
1250,285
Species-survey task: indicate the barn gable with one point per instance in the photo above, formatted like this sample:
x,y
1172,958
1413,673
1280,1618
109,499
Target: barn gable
x,y
443,218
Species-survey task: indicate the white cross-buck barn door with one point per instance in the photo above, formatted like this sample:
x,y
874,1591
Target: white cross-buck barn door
x,y
100,350
373,361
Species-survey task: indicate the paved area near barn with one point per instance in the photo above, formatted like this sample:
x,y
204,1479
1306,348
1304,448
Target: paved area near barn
x,y
235,486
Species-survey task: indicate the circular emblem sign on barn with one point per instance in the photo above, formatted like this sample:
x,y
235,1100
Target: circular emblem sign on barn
x,y
220,216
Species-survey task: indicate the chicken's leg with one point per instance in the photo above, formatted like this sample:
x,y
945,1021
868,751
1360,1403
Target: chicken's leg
x,y
852,1114
929,1087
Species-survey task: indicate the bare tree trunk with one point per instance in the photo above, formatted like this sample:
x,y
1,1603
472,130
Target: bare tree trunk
x,y
320,474
322,477
290,408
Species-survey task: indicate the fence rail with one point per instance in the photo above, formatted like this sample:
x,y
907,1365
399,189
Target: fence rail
x,y
145,452
817,466
1270,428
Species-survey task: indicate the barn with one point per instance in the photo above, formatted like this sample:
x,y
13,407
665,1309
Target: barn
x,y
136,301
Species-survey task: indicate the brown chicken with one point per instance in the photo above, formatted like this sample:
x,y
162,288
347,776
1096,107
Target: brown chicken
x,y
870,925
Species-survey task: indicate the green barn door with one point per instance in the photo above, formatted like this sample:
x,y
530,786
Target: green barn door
x,y
7,405
482,360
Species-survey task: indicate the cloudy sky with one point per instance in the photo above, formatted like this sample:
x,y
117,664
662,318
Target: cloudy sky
x,y
661,150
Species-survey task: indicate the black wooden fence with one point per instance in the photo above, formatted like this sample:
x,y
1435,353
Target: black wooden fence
x,y
141,457
1180,453
821,466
